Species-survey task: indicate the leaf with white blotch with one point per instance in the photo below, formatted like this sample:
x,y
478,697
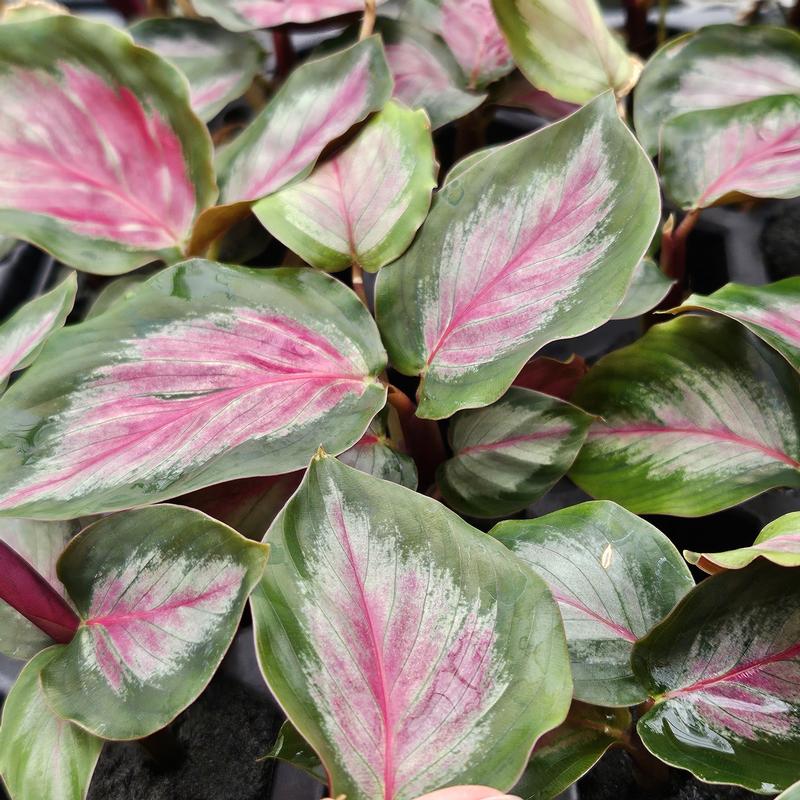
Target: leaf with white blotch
x,y
410,650
41,755
206,373
724,670
292,748
160,591
565,48
364,205
614,576
792,793
102,161
571,750
717,66
778,542
537,241
696,416
648,288
319,102
771,312
218,64
23,335
507,455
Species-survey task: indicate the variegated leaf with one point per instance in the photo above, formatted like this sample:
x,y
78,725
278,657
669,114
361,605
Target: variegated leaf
x,y
102,161
206,374
696,416
23,334
507,455
537,241
718,66
410,650
41,755
364,205
792,793
553,377
614,576
218,64
160,591
648,288
565,48
724,670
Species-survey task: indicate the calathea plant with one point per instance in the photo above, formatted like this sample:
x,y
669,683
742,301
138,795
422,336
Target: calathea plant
x,y
241,413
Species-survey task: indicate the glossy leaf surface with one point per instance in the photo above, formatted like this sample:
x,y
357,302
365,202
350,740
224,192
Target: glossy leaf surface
x,y
725,671
207,373
553,377
410,650
292,748
160,592
537,241
614,577
648,288
364,205
507,455
696,416
80,182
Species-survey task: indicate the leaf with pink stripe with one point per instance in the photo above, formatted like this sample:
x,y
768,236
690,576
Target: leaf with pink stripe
x,y
160,591
410,650
536,241
102,161
614,576
697,416
206,373
724,670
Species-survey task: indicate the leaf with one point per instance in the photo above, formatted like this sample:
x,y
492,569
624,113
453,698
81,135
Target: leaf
x,y
364,205
565,48
792,793
160,592
696,416
320,101
778,542
506,456
771,312
614,577
108,190
724,668
536,242
648,288
717,66
42,755
516,91
553,377
205,374
24,333
122,288
293,749
408,649
218,64
28,10
571,750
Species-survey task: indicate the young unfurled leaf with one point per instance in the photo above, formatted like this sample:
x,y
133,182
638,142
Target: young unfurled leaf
x,y
718,66
771,312
364,205
535,242
648,288
778,542
614,576
218,64
553,377
696,416
724,669
41,755
292,748
23,334
565,48
410,650
160,592
507,455
102,161
206,374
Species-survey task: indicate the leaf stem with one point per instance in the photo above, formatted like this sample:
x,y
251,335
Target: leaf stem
x,y
673,255
357,281
368,23
285,55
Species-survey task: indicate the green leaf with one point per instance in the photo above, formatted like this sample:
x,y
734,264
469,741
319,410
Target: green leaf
x,y
507,455
614,577
206,373
648,288
696,416
292,748
41,755
364,205
724,669
536,242
565,48
118,289
792,793
160,592
410,650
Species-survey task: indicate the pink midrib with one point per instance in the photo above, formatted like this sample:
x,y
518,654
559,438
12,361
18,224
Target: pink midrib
x,y
620,630
511,442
